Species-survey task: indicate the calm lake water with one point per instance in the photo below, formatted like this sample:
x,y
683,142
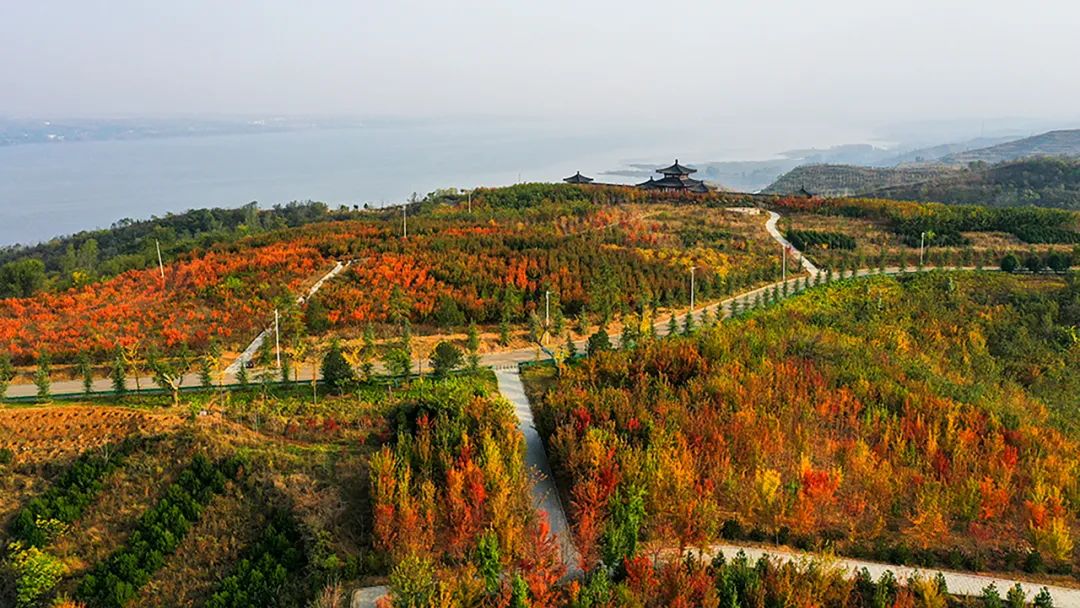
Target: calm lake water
x,y
53,189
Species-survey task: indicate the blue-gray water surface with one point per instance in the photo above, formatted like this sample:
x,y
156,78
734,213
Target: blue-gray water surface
x,y
48,190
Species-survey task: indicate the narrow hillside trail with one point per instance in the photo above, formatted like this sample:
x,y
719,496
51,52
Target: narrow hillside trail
x,y
545,494
770,226
257,343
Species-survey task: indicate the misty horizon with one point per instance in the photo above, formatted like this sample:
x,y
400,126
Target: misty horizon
x,y
835,62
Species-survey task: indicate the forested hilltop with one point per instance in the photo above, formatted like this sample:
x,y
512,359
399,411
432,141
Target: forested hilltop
x,y
1042,181
129,244
851,180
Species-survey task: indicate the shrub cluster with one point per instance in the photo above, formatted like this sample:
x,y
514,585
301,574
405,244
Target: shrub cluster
x,y
1055,261
260,576
65,501
114,582
805,239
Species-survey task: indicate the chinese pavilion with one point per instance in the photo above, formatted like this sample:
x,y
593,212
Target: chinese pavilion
x,y
676,177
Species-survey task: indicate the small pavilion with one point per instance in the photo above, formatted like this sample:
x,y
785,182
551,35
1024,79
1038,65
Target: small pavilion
x,y
578,178
676,177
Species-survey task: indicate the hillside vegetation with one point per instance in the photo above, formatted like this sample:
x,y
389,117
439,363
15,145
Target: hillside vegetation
x,y
939,225
601,249
848,180
268,497
1045,182
1065,142
926,419
1040,170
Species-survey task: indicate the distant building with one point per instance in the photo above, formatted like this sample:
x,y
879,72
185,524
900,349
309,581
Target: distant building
x,y
676,177
578,178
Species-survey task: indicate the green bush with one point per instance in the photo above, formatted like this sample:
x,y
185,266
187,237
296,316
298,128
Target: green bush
x,y
36,573
599,342
806,239
1010,263
1058,262
336,371
445,358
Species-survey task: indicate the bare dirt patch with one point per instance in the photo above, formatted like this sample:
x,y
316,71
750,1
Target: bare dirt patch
x,y
48,433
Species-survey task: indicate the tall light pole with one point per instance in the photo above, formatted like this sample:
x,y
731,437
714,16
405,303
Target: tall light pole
x,y
470,201
922,246
277,338
547,309
692,268
404,221
783,263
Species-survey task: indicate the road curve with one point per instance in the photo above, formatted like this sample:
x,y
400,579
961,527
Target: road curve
x,y
770,227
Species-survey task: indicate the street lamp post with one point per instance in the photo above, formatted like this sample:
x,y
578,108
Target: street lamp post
x,y
404,221
783,263
161,266
692,268
277,338
922,246
547,309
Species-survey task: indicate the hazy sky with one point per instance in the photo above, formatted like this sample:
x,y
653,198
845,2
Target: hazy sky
x,y
829,60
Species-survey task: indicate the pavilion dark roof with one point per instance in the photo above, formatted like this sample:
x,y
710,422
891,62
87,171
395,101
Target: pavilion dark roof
x,y
675,182
676,169
578,178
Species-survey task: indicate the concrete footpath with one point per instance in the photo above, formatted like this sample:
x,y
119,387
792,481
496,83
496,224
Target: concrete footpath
x,y
545,494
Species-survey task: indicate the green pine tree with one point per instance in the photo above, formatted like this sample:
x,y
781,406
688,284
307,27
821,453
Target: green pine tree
x,y
86,372
472,346
42,378
242,375
7,373
118,374
688,324
571,350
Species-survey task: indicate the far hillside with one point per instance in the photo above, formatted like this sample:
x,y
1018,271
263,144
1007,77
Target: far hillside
x,y
1052,143
848,180
945,173
1045,182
